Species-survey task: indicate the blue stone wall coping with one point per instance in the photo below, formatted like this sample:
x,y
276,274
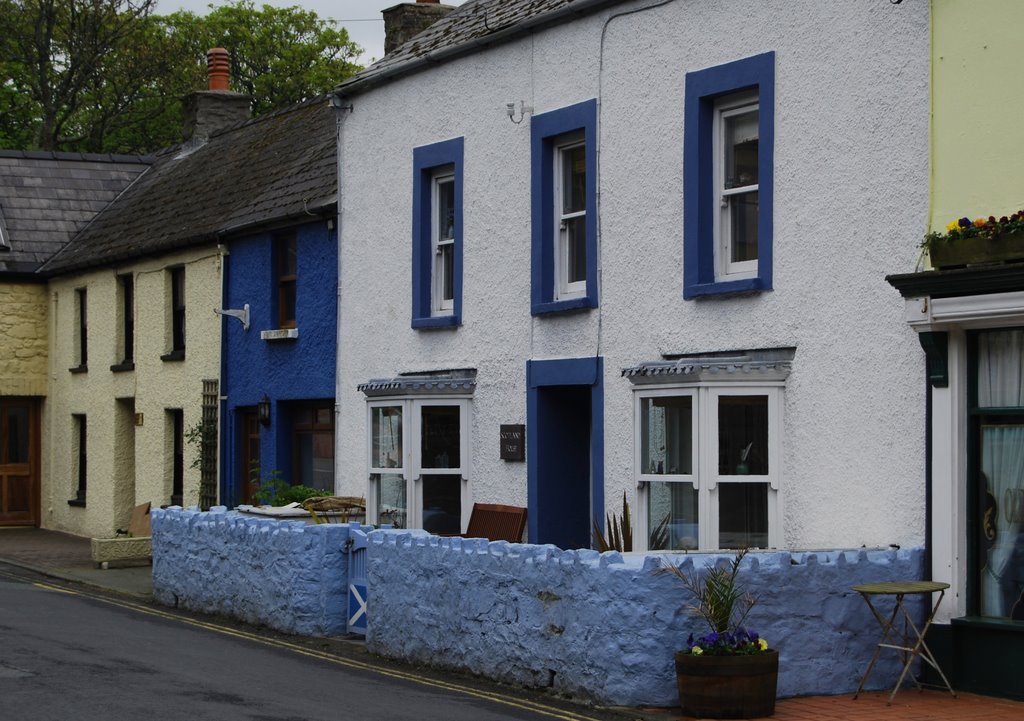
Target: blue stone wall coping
x,y
287,575
606,626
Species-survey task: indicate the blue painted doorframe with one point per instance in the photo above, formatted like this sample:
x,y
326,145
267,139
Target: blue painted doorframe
x,y
560,424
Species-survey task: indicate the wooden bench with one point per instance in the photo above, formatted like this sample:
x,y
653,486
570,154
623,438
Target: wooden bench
x,y
496,522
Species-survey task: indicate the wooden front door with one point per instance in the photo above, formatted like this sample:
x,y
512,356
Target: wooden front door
x,y
249,463
19,462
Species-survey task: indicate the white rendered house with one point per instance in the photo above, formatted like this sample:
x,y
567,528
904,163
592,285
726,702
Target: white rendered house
x,y
652,237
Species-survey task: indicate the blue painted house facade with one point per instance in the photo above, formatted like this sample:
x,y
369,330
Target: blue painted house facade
x,y
285,360
279,348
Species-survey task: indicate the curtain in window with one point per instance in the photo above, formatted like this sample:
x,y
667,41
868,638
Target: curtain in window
x,y
1001,369
1001,385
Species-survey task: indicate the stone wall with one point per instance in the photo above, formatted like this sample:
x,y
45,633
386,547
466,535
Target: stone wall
x,y
23,352
286,575
605,626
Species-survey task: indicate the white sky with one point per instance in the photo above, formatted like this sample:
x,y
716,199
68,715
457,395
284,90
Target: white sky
x,y
361,18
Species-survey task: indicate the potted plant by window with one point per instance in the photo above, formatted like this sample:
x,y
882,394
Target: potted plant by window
x,y
729,672
979,241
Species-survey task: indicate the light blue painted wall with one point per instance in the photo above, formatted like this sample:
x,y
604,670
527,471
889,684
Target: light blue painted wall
x,y
603,627
606,627
284,370
286,575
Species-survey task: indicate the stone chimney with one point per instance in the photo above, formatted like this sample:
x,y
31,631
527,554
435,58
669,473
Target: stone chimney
x,y
402,22
208,111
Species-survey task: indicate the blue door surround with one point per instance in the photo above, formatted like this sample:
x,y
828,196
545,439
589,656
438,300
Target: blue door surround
x,y
564,442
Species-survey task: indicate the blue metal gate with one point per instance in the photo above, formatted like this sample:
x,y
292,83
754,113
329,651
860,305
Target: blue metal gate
x,y
356,582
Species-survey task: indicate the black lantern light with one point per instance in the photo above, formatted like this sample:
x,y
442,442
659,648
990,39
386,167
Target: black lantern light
x,y
263,410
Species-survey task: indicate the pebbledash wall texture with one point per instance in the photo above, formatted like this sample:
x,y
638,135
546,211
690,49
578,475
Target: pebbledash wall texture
x,y
850,204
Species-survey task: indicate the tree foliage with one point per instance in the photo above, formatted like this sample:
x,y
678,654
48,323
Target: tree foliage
x,y
108,75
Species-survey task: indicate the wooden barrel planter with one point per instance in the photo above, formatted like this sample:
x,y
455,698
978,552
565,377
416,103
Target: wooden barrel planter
x,y
728,686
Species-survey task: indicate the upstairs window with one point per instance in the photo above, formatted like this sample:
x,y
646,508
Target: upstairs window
x,y
81,331
564,215
176,314
728,178
287,277
437,238
126,316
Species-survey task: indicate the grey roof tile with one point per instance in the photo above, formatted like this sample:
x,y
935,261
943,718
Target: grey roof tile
x,y
276,167
469,28
48,197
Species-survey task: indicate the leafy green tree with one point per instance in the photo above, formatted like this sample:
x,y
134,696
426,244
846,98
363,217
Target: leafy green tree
x,y
108,76
279,56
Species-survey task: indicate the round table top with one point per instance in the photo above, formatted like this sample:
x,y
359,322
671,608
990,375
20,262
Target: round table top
x,y
894,588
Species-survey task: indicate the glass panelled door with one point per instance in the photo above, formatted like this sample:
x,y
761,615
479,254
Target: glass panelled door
x,y
19,464
999,474
440,468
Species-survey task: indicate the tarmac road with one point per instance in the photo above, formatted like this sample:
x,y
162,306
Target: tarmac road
x,y
69,653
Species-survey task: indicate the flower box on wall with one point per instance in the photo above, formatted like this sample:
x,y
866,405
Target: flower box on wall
x,y
976,250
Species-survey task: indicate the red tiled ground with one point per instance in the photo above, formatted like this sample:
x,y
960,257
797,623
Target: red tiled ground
x,y
909,705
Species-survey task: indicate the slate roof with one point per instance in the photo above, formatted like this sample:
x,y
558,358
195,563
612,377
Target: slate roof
x,y
45,198
475,25
267,171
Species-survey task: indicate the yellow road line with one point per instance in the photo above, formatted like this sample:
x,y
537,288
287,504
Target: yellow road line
x,y
492,696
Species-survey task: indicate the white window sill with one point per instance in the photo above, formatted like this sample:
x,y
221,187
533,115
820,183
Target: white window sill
x,y
280,334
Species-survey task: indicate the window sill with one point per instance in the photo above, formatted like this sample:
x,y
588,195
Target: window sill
x,y
123,366
725,288
77,502
79,369
280,334
174,355
563,306
437,321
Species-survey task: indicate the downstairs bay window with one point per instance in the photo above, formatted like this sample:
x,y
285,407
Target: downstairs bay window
x,y
708,455
418,447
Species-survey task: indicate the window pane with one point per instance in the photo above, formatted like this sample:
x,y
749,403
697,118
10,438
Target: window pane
x,y
740,140
446,263
1001,521
446,210
742,515
574,179
576,247
315,462
743,435
442,504
440,437
15,445
672,516
289,257
1001,369
386,437
666,435
743,225
391,504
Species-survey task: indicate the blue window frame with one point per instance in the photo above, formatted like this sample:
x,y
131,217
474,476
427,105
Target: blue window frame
x,y
437,235
727,213
564,209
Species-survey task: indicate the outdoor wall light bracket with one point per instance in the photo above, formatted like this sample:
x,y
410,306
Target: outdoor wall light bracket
x,y
242,315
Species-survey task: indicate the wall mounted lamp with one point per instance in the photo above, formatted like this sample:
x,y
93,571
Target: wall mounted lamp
x,y
263,410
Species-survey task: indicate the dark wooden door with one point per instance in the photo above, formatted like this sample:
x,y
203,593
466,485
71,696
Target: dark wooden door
x,y
249,463
19,462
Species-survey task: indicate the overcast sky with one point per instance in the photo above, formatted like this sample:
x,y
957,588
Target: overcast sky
x,y
361,18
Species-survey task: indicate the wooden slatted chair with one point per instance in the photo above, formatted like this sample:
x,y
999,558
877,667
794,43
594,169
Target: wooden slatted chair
x,y
496,522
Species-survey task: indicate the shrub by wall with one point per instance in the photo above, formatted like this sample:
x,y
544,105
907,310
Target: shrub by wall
x,y
606,626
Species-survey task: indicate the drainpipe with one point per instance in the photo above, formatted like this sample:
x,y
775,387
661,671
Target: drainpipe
x,y
927,569
341,111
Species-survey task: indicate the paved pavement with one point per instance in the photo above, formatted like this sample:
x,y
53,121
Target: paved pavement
x,y
68,557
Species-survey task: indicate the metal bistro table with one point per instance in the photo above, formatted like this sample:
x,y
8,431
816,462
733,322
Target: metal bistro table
x,y
909,640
